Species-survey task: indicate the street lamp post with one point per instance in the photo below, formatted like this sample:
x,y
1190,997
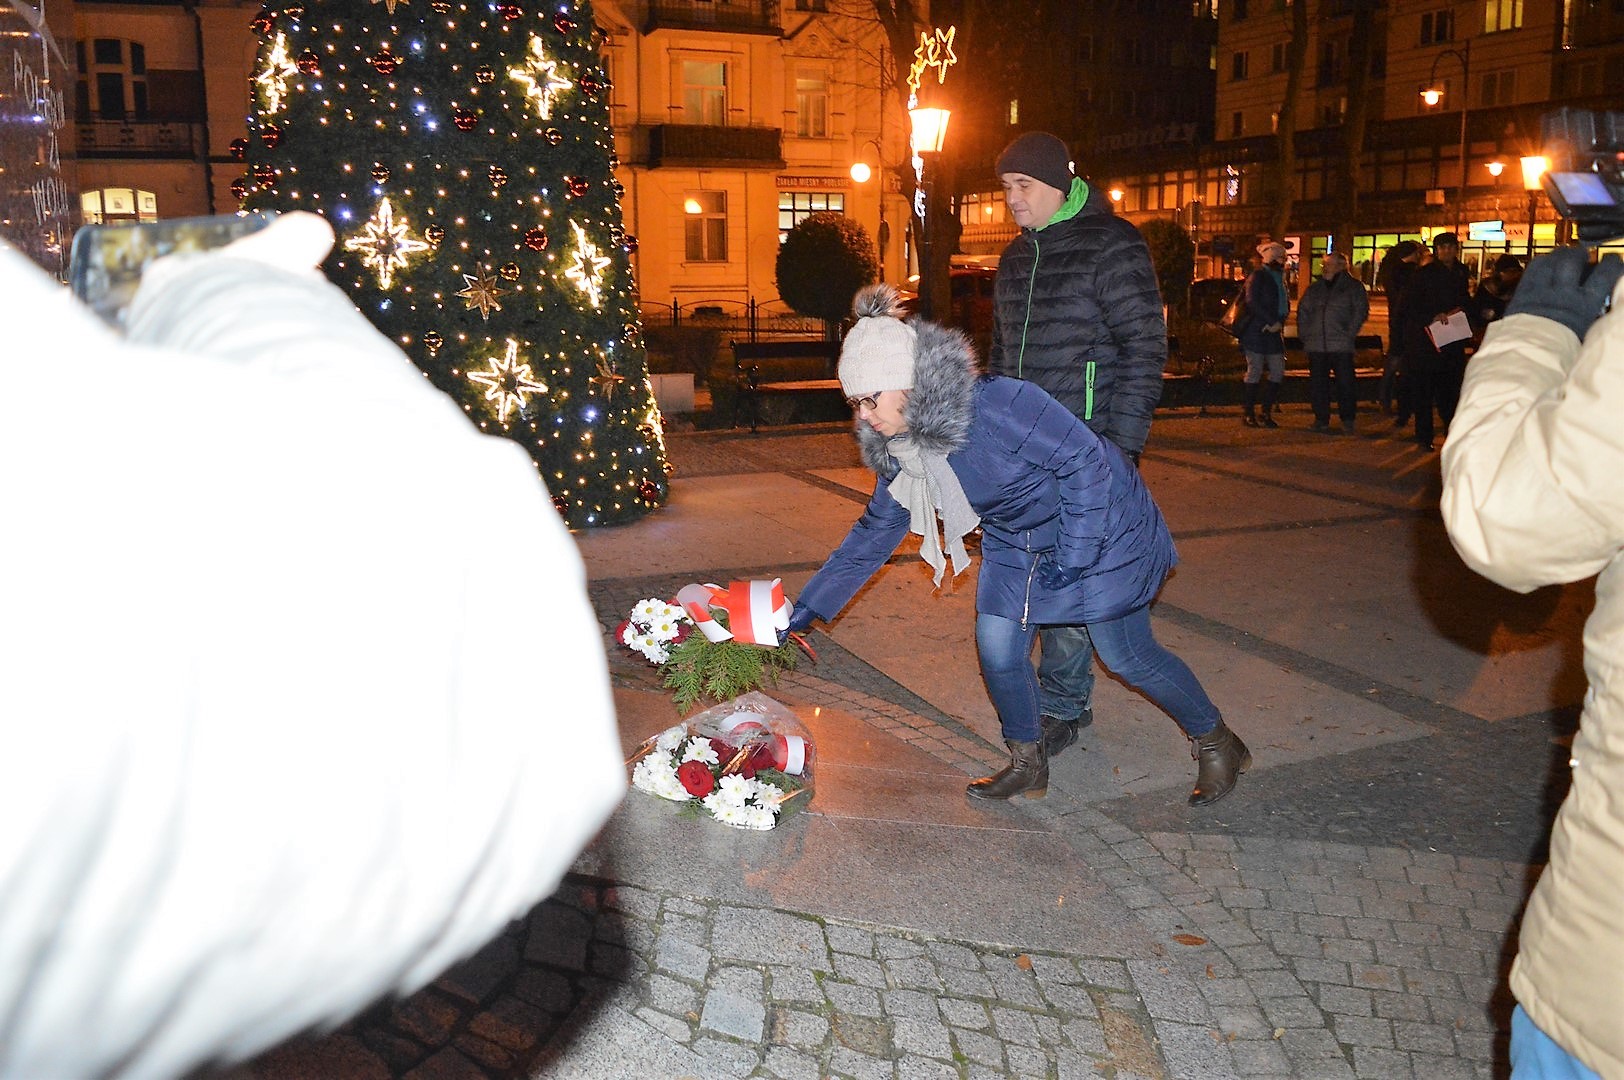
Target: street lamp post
x,y
1432,95
929,134
861,173
1533,167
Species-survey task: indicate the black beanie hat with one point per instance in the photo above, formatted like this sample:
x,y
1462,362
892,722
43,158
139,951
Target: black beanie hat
x,y
1041,156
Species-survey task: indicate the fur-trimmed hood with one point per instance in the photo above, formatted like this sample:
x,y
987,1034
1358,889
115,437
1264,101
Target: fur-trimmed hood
x,y
941,404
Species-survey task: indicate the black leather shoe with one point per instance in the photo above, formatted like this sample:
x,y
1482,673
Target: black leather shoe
x,y
1057,734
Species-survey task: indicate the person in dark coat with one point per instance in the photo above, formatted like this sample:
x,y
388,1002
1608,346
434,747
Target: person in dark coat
x,y
1077,311
1262,335
1398,268
1439,288
1329,316
1069,533
1494,293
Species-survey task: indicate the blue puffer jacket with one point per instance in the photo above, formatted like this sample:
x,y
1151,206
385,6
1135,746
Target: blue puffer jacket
x,y
1045,486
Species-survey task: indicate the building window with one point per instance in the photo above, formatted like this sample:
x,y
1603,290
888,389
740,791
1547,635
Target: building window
x,y
704,92
109,205
1330,64
811,5
812,106
1277,57
796,206
1502,15
1437,26
705,226
113,84
1237,66
1497,88
1237,10
1014,111
1237,125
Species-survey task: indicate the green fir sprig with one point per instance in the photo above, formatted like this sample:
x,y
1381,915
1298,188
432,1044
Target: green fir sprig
x,y
722,670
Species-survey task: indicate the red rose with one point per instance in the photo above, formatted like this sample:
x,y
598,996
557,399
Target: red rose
x,y
696,779
724,752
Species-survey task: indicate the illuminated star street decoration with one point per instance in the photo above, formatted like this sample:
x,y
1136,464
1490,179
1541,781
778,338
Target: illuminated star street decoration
x,y
508,382
540,78
389,5
385,244
587,270
273,81
933,52
481,293
606,380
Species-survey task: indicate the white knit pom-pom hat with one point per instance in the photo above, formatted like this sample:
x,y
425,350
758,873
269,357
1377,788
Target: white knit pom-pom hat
x,y
878,353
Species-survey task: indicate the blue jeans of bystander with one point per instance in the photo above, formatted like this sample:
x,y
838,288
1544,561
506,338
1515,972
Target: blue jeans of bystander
x,y
1065,672
1536,1056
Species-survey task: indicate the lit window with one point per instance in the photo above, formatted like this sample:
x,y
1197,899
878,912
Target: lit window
x,y
704,92
705,226
1502,15
795,206
812,106
110,205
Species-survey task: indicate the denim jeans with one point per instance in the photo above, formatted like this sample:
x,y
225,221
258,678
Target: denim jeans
x,y
1322,368
1065,672
1256,362
1536,1056
1126,646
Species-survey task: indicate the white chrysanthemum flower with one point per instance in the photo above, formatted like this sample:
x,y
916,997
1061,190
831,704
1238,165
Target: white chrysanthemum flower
x,y
723,809
655,775
654,654
648,610
758,817
664,629
736,788
699,749
670,739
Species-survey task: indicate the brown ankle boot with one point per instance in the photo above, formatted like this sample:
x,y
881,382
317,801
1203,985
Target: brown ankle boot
x,y
1026,774
1220,758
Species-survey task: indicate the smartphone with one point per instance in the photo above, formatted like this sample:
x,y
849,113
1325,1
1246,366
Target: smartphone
x,y
107,261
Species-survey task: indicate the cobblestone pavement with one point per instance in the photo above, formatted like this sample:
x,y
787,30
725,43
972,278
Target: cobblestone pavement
x,y
1315,930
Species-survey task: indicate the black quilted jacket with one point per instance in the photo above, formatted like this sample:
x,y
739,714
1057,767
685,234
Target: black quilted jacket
x,y
1079,313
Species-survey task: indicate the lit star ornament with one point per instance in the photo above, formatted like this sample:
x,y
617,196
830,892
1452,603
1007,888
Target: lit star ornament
x,y
389,5
481,293
273,80
606,380
540,78
587,270
933,52
508,382
385,244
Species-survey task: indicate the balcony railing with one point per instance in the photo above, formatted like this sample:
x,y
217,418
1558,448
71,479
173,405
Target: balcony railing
x,y
734,16
690,145
139,138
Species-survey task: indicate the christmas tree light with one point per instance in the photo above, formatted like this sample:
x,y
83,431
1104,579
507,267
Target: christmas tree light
x,y
463,154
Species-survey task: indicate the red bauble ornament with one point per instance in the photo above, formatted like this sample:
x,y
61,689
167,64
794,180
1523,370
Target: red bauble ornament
x,y
630,243
563,23
239,149
618,188
510,11
294,11
263,23
509,271
465,119
384,62
578,185
239,188
498,175
308,63
590,85
380,173
434,234
553,136
433,341
270,135
562,505
648,491
264,175
536,239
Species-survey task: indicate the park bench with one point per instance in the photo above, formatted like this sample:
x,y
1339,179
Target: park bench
x,y
770,375
1367,377
1185,381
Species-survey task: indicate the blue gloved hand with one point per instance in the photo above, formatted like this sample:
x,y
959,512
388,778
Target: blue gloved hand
x,y
1054,577
801,619
1555,286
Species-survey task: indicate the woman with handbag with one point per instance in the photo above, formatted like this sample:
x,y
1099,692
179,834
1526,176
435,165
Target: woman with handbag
x,y
1261,338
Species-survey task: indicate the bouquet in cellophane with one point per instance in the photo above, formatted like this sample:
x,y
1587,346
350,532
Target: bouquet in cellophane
x,y
746,763
735,649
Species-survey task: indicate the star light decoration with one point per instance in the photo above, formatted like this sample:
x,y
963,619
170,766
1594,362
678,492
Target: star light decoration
x,y
587,270
540,78
481,293
508,382
385,244
390,5
933,52
273,81
606,380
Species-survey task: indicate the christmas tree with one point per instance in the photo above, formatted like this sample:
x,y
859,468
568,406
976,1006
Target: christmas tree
x,y
461,150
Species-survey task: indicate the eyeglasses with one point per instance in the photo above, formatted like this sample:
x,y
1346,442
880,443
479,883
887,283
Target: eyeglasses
x,y
858,404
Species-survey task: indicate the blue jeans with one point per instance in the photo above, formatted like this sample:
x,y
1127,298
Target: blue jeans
x,y
1065,672
1535,1055
1126,646
1256,362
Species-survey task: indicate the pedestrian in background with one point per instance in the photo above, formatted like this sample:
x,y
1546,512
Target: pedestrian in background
x,y
1261,339
1438,290
1397,271
1329,316
1069,533
1077,311
1531,497
1494,292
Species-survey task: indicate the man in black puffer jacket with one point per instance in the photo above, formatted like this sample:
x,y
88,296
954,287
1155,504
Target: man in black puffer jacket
x,y
1079,313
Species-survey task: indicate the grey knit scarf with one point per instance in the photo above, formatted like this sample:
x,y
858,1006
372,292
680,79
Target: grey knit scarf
x,y
926,485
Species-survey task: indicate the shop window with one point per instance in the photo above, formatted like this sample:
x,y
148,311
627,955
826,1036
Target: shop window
x,y
795,206
110,205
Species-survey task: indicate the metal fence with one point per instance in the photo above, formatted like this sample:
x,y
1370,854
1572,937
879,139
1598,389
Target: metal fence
x,y
744,320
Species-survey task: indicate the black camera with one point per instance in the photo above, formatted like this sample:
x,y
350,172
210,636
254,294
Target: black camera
x,y
1586,177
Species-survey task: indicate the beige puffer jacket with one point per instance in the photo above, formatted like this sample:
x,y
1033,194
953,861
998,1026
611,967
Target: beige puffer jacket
x,y
1534,495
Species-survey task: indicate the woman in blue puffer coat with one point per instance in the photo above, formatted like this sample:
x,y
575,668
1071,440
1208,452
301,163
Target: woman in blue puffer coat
x,y
1070,534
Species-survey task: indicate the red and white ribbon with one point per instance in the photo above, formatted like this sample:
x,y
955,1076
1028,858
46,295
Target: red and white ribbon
x,y
788,752
756,610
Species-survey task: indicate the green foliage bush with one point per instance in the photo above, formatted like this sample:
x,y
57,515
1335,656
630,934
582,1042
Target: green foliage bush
x,y
822,263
